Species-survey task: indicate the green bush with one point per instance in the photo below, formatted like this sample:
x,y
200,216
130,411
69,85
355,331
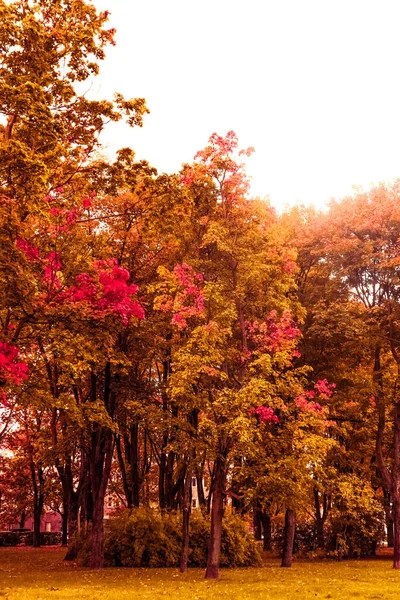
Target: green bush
x,y
355,525
25,538
10,538
47,538
305,539
146,538
142,538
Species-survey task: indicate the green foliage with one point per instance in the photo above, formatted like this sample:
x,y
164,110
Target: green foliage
x,y
142,538
25,538
146,538
10,538
356,520
305,539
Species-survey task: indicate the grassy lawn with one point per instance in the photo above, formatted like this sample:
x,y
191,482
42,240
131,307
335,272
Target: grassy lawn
x,y
27,574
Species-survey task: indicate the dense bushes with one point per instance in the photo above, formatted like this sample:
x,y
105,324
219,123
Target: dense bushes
x,y
25,538
355,525
305,542
10,538
145,538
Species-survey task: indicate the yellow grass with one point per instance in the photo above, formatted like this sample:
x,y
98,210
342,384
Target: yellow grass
x,y
28,574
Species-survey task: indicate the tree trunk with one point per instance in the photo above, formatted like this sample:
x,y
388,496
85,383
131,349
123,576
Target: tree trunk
x,y
161,481
396,532
37,516
257,524
266,528
200,490
22,519
396,489
390,532
38,501
387,505
186,509
129,463
97,548
100,474
72,527
86,503
64,527
321,514
288,538
217,512
100,460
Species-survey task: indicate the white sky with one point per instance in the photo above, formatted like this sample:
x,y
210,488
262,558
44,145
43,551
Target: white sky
x,y
313,85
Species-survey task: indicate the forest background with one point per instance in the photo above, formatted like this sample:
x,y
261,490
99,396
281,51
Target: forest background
x,y
160,329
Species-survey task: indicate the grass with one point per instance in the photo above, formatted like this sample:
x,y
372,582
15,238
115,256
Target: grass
x,y
28,574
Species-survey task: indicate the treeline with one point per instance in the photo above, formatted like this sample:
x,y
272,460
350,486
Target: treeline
x,y
160,330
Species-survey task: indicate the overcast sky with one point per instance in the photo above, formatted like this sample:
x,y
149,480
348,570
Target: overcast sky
x,y
313,85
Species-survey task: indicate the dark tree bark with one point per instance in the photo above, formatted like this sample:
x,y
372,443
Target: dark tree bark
x,y
321,514
100,459
288,538
134,462
267,532
64,527
22,519
396,489
72,514
257,525
200,489
38,502
390,533
391,481
388,518
186,509
217,512
64,458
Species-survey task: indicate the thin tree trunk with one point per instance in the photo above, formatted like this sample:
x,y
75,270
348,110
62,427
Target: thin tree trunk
x,y
288,538
267,533
200,490
123,470
22,520
72,527
257,524
390,532
396,489
38,502
36,529
136,481
217,512
100,467
186,509
396,533
64,530
320,516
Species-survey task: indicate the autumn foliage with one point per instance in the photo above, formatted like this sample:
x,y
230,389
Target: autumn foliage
x,y
161,333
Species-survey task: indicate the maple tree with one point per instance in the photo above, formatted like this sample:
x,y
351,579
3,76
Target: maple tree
x,y
47,146
229,359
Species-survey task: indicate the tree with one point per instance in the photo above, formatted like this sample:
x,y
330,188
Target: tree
x,y
48,179
226,364
360,260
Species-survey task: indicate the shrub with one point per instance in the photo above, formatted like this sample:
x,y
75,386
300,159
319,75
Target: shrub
x,y
146,538
25,538
355,525
305,539
10,538
47,538
142,538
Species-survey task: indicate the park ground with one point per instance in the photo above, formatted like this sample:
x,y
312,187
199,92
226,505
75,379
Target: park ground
x,y
28,574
